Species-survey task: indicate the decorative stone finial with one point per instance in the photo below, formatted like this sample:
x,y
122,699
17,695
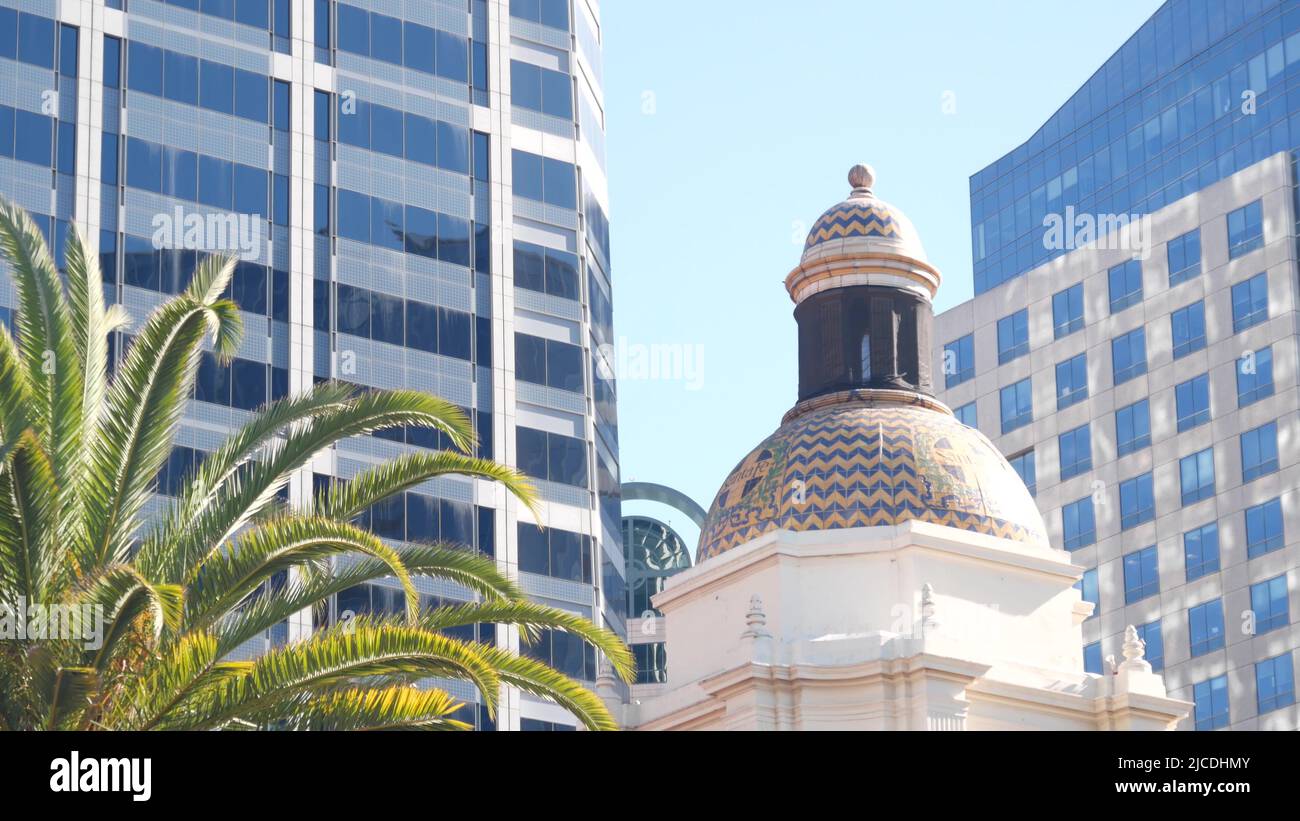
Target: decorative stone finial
x,y
862,177
755,619
928,621
1135,650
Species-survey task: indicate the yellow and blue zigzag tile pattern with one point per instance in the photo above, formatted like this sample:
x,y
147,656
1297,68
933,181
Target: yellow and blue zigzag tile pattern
x,y
865,466
853,221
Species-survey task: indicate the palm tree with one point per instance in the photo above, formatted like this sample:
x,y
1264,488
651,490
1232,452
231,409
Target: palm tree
x,y
79,457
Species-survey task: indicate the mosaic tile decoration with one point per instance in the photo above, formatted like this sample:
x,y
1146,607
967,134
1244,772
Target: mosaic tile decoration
x,y
861,218
863,465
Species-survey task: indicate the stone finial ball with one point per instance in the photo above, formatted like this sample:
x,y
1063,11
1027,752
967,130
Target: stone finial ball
x,y
862,176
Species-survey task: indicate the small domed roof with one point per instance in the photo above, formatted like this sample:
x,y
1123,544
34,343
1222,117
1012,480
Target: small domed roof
x,y
863,222
871,464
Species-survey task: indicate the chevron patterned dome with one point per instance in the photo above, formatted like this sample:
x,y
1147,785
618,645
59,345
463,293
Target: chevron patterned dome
x,y
863,463
863,223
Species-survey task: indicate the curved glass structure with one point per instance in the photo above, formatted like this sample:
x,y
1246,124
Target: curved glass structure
x,y
654,552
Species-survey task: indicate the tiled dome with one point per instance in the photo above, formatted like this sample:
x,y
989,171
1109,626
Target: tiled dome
x,y
860,463
863,222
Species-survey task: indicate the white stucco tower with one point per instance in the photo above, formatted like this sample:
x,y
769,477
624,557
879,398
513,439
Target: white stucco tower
x,y
874,563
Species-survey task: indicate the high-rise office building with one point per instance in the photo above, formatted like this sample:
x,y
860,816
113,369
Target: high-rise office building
x,y
1143,379
417,194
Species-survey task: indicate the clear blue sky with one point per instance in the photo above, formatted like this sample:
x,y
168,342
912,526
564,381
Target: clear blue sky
x,y
731,127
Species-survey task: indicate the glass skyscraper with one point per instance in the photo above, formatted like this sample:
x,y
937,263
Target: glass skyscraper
x,y
417,194
1204,89
1148,390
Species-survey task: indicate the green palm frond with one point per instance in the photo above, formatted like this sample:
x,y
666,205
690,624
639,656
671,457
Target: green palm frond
x,y
226,578
531,617
344,500
182,593
395,707
334,657
476,573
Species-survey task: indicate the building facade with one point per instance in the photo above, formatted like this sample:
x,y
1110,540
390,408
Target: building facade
x,y
874,564
1143,380
417,194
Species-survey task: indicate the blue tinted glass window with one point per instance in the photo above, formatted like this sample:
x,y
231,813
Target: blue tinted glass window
x,y
1088,590
1268,602
353,310
1078,524
34,138
1142,574
321,124
959,360
1067,310
527,175
1184,255
386,38
453,240
421,139
451,53
386,224
1254,376
1211,703
966,414
1154,642
1125,285
1258,452
1201,550
180,171
1013,336
354,122
107,154
1265,531
1192,402
455,334
421,232
1129,355
281,118
112,62
252,13
67,50
1196,476
1092,658
1024,466
1071,381
453,148
1245,229
1249,302
251,96
421,326
216,86
250,190
386,130
1205,625
1137,503
143,165
36,40
1076,451
418,48
557,94
387,319
1133,427
8,33
1017,405
353,29
145,68
560,183
181,78
525,85
67,150
216,182
280,199
353,215
1188,327
1275,683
